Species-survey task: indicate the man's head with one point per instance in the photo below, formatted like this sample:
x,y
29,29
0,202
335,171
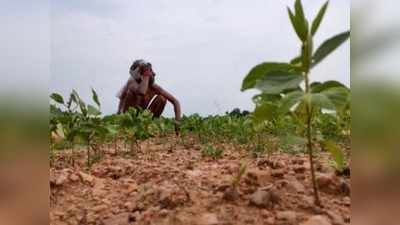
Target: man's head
x,y
144,69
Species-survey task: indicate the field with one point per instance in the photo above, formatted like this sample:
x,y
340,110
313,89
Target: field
x,y
287,162
226,169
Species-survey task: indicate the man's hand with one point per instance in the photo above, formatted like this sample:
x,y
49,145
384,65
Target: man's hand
x,y
177,127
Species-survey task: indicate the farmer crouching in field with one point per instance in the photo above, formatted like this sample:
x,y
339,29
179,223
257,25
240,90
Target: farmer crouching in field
x,y
141,91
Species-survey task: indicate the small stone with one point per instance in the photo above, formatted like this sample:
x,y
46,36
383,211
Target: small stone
x,y
265,213
164,212
258,177
61,179
73,177
99,208
91,217
317,220
265,198
328,182
86,178
98,187
130,206
119,219
346,201
335,218
270,221
231,193
294,186
289,217
278,173
59,214
308,201
299,168
324,180
209,219
260,198
131,188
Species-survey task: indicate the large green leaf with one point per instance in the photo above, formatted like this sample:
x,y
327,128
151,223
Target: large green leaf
x,y
57,98
95,97
261,70
339,96
321,101
263,112
329,46
290,100
318,18
336,153
263,97
317,87
278,81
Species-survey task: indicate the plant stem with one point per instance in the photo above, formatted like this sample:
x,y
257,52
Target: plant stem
x,y
309,144
88,154
133,146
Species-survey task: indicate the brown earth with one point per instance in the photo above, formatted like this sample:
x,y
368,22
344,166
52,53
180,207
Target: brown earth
x,y
172,183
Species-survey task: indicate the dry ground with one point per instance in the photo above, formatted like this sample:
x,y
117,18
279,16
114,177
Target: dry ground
x,y
174,184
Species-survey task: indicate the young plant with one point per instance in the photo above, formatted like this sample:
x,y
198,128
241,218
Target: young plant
x,y
136,125
212,152
287,89
85,124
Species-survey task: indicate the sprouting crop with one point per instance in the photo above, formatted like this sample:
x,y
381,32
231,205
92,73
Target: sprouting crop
x,y
287,90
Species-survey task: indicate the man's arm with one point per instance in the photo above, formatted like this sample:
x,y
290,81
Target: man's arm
x,y
170,98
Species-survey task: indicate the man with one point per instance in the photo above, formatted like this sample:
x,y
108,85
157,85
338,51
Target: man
x,y
141,91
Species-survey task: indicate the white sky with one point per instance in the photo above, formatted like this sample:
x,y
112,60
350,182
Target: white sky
x,y
200,50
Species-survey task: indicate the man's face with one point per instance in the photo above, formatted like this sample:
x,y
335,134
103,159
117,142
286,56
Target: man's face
x,y
146,68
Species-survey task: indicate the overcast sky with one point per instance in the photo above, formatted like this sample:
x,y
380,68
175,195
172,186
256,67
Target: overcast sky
x,y
200,50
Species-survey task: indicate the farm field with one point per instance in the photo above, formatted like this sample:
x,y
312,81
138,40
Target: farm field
x,y
287,162
228,169
170,182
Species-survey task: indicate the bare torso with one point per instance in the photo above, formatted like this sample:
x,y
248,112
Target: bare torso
x,y
142,101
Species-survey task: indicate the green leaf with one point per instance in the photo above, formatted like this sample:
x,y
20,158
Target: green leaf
x,y
317,87
301,19
298,25
336,153
95,97
318,18
263,97
289,100
322,101
299,10
91,110
261,70
296,60
339,96
57,98
264,112
329,46
278,81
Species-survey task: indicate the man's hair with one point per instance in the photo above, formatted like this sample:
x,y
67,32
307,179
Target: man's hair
x,y
137,63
